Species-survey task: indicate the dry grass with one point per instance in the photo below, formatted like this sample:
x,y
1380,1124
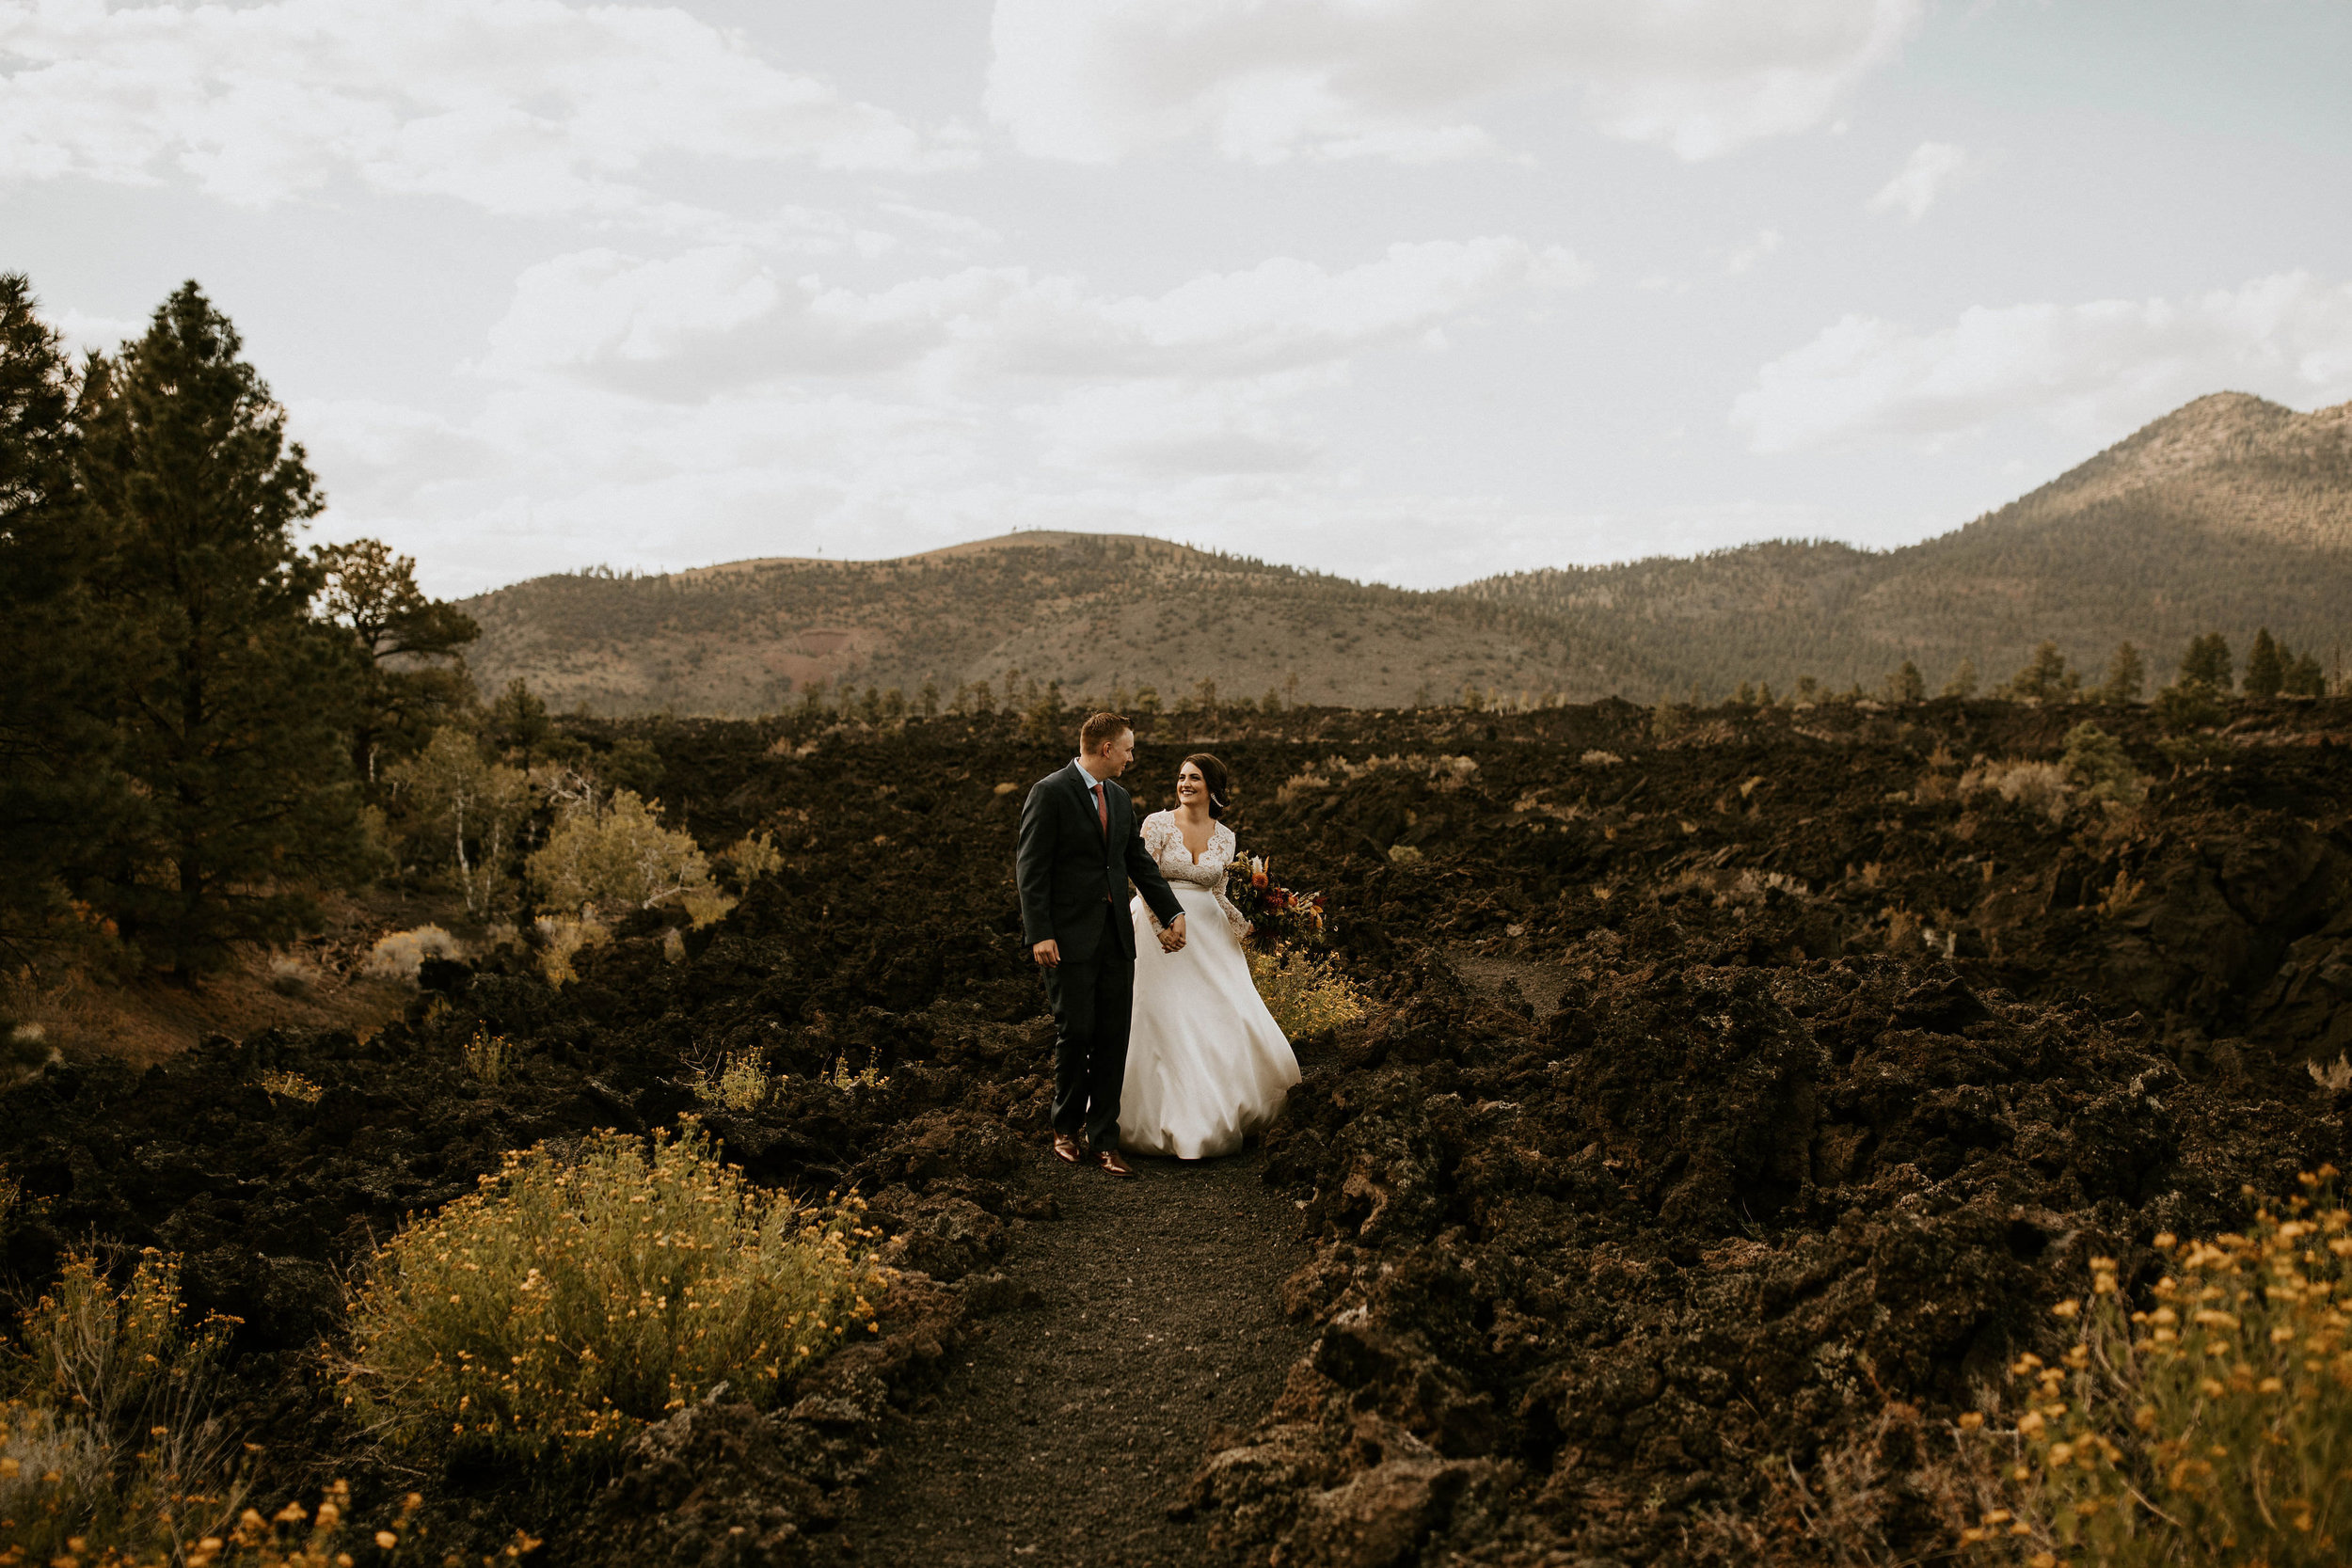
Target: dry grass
x,y
143,1018
2213,1427
581,1293
1305,994
398,955
1848,1509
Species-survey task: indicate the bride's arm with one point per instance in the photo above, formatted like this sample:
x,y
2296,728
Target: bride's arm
x,y
1234,921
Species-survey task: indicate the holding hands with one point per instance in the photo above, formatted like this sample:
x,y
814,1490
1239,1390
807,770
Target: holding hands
x,y
1172,936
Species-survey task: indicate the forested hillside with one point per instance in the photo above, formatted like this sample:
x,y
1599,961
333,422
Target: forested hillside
x,y
2231,513
1099,614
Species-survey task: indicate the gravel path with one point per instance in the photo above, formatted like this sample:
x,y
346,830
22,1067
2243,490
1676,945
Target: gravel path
x,y
1074,1425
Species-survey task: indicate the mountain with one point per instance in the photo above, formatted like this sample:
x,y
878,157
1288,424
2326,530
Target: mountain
x,y
1100,613
2231,512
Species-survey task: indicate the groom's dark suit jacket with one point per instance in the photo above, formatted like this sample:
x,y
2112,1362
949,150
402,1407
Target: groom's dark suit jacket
x,y
1069,868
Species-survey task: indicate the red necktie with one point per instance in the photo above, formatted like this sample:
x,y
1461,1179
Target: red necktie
x,y
1103,809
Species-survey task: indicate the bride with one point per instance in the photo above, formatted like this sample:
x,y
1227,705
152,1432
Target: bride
x,y
1207,1063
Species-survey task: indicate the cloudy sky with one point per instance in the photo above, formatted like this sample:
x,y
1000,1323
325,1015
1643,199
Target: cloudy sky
x,y
1413,289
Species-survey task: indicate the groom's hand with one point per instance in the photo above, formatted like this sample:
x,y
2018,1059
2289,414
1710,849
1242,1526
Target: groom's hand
x,y
1174,937
1047,953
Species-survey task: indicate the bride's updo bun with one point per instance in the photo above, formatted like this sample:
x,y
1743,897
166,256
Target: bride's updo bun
x,y
1217,777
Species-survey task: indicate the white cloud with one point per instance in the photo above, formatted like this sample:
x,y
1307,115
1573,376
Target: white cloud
x,y
713,405
1925,173
723,315
1266,80
519,106
1179,430
84,332
1750,251
2096,370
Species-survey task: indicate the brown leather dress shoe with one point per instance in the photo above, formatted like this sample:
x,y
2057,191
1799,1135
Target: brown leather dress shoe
x,y
1065,1148
1108,1159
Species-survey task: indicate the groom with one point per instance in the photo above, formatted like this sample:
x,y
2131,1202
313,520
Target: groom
x,y
1078,847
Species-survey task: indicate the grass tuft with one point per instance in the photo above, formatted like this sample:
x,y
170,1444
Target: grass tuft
x,y
578,1296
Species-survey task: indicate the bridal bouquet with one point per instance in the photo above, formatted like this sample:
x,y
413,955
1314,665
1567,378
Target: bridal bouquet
x,y
1277,917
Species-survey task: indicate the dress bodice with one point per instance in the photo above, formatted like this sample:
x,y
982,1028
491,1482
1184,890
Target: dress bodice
x,y
1165,841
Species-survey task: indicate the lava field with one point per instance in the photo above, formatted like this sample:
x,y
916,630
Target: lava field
x,y
1730,1105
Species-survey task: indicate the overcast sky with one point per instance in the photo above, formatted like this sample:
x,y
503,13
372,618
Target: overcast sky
x,y
1410,289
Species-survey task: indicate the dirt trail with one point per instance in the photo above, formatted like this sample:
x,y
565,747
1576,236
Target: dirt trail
x,y
1532,981
1072,1427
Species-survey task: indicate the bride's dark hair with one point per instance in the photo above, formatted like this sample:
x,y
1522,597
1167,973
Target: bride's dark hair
x,y
1217,777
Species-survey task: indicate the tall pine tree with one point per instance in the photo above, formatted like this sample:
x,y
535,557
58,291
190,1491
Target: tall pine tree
x,y
58,794
2207,664
2265,670
228,696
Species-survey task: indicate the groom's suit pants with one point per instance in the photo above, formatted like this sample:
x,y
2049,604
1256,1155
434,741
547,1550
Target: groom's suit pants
x,y
1093,1002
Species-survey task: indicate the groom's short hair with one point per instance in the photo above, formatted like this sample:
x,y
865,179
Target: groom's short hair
x,y
1100,730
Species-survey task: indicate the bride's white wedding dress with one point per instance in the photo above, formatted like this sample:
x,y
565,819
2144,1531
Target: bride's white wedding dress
x,y
1207,1063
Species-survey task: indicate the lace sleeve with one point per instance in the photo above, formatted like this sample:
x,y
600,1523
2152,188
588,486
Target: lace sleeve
x,y
1157,828
1234,921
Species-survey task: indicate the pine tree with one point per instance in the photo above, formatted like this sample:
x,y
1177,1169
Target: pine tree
x,y
2266,671
59,791
228,693
1963,682
2126,674
2305,678
2207,663
519,726
411,679
1907,684
2046,679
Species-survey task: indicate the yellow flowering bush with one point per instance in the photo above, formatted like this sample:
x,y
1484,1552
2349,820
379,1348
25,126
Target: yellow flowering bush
x,y
105,1440
2215,1426
581,1294
741,1083
1304,993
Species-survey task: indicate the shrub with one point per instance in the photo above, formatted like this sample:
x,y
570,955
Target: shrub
x,y
485,1055
399,955
105,1436
561,940
741,1083
2034,785
616,859
2215,1426
2096,764
753,856
291,1086
870,1076
2189,707
578,1296
1305,994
